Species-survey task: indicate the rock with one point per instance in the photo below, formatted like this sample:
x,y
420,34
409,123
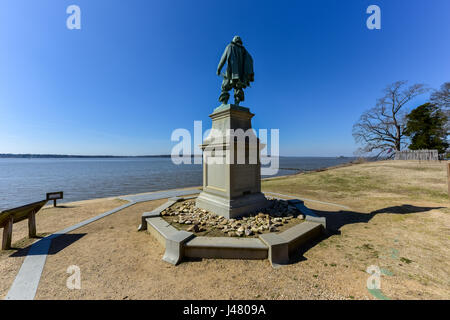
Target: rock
x,y
240,229
194,228
239,234
248,232
272,229
188,222
231,234
301,217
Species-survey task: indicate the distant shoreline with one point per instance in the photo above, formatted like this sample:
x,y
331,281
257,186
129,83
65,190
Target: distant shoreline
x,y
62,156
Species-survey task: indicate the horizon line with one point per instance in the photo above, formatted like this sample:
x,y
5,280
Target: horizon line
x,y
49,155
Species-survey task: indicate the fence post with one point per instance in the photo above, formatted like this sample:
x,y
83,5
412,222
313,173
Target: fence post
x,y
448,177
7,233
32,225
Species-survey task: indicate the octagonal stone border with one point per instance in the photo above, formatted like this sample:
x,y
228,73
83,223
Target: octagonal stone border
x,y
277,247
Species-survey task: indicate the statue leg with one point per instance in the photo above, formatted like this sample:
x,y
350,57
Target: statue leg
x,y
224,95
238,93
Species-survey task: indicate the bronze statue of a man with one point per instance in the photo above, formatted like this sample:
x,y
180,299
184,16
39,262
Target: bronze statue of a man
x,y
239,72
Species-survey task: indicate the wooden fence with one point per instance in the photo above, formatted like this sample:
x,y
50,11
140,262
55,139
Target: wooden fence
x,y
417,155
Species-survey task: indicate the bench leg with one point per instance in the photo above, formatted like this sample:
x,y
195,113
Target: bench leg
x,y
32,225
7,234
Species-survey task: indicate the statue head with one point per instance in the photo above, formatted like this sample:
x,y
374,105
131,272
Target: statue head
x,y
237,40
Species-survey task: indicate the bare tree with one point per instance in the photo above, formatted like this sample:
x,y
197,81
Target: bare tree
x,y
380,129
441,98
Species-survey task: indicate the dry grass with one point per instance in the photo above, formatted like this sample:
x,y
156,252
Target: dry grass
x,y
399,221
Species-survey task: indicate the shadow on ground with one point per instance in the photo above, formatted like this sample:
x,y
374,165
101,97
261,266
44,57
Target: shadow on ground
x,y
337,219
57,244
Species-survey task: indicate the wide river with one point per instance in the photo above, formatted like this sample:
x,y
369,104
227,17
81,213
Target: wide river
x,y
27,180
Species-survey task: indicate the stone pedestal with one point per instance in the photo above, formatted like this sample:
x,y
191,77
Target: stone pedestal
x,y
231,165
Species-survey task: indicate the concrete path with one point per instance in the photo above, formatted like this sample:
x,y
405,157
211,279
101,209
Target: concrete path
x,y
26,283
160,195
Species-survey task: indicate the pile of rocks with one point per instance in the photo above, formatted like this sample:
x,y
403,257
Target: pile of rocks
x,y
267,220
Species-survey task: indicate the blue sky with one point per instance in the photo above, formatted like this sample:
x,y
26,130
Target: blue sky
x,y
137,70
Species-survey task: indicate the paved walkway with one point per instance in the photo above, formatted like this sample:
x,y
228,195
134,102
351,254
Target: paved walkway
x,y
27,280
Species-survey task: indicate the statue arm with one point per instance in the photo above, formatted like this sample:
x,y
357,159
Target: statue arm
x,y
222,61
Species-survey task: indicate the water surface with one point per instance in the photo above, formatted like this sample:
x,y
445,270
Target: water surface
x,y
27,180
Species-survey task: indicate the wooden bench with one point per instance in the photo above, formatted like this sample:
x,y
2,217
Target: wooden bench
x,y
11,216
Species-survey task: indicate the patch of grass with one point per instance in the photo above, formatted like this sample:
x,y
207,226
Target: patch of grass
x,y
365,246
405,260
398,179
398,217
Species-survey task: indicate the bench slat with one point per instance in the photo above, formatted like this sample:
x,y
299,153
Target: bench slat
x,y
20,213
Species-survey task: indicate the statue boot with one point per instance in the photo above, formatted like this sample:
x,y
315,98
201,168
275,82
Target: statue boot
x,y
224,96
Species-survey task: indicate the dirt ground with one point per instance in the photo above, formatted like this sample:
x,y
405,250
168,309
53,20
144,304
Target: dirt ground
x,y
399,221
48,220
